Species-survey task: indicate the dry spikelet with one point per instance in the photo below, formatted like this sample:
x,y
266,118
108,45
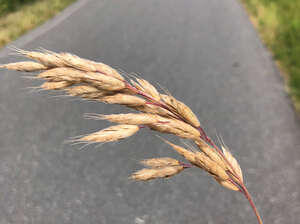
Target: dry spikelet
x,y
105,69
131,118
73,75
227,184
124,99
201,160
62,74
160,162
46,59
183,110
188,155
81,89
164,172
55,85
87,92
235,167
210,166
113,133
74,61
152,109
211,153
103,81
176,127
71,60
25,66
145,86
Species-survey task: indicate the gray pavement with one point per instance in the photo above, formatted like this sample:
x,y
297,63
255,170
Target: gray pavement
x,y
209,56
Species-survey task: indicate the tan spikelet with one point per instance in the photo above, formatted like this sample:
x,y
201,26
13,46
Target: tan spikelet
x,y
183,110
210,166
176,127
82,89
131,118
164,172
46,59
148,88
234,167
25,66
124,99
62,74
211,153
55,85
152,109
188,155
73,61
113,133
160,162
73,75
105,69
227,184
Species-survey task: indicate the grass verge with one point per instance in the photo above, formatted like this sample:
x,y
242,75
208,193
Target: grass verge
x,y
278,23
26,16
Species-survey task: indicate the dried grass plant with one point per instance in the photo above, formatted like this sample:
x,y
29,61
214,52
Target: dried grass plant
x,y
160,112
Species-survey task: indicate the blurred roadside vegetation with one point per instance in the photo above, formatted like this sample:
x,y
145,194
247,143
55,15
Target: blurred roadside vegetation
x,y
278,22
19,16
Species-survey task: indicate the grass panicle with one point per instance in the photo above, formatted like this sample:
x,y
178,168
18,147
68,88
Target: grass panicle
x,y
160,112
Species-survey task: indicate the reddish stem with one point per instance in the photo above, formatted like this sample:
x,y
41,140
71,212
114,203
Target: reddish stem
x,y
248,196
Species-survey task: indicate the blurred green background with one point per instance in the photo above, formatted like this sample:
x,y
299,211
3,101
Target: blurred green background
x,y
278,22
19,16
11,5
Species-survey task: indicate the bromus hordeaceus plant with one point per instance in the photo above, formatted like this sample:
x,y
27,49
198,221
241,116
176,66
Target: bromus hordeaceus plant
x,y
160,112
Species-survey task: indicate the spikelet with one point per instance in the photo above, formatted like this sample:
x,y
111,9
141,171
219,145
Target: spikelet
x,y
131,118
110,134
107,70
25,66
61,74
176,127
188,155
227,184
163,172
55,85
160,162
180,108
84,90
47,59
124,99
73,75
200,160
211,153
210,166
234,167
146,87
152,109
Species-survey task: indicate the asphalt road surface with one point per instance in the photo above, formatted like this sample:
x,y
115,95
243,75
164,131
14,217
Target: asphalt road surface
x,y
204,52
